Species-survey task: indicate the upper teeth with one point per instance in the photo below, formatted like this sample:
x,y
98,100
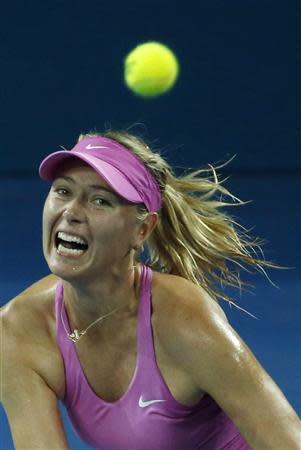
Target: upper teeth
x,y
70,238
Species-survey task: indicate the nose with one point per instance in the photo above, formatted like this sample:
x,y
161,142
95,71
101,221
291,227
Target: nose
x,y
74,212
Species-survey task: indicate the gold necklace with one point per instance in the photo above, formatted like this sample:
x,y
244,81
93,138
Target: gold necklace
x,y
77,334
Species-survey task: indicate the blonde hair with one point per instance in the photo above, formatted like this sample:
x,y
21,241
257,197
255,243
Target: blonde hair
x,y
193,238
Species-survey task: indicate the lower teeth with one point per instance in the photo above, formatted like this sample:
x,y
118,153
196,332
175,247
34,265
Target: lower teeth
x,y
70,251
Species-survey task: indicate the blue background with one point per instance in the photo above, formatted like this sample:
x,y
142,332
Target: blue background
x,y
237,94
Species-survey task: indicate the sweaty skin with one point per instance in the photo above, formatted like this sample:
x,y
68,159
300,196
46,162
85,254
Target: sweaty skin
x,y
196,349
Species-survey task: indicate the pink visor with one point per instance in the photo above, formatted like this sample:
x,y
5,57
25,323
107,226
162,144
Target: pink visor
x,y
119,167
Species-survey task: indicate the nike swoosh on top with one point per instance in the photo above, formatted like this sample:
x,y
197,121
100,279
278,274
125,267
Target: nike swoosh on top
x,y
144,404
90,147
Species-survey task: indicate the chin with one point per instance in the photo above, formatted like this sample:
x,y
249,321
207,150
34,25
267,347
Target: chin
x,y
67,269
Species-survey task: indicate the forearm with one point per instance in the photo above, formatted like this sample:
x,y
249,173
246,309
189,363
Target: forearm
x,y
269,436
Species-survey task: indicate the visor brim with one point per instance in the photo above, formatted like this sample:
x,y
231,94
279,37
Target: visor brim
x,y
50,166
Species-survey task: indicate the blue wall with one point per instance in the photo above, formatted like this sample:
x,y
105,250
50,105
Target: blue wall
x,y
61,74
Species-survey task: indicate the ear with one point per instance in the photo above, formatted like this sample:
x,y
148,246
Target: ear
x,y
147,227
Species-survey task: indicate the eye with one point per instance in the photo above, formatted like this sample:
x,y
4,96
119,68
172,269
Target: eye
x,y
61,191
99,201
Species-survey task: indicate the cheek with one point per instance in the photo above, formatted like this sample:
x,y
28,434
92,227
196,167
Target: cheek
x,y
118,231
45,223
107,229
45,213
49,214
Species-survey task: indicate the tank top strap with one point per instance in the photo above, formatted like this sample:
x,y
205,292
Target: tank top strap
x,y
71,364
145,336
58,308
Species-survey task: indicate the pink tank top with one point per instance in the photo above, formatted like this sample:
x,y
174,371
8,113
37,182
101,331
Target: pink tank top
x,y
146,417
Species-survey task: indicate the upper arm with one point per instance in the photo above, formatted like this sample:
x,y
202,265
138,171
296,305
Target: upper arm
x,y
31,406
221,364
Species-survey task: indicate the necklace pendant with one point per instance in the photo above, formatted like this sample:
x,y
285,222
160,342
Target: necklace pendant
x,y
76,335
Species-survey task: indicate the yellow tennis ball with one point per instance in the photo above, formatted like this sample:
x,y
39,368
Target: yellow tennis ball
x,y
151,69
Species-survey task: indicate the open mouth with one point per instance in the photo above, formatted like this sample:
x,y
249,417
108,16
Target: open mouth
x,y
69,244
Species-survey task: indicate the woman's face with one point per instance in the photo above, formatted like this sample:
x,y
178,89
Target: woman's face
x,y
87,228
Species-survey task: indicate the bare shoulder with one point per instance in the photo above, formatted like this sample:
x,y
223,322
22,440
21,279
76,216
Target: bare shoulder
x,y
198,338
28,332
182,299
182,310
29,311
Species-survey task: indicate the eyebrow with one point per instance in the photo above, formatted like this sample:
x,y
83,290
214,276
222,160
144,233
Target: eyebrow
x,y
99,187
